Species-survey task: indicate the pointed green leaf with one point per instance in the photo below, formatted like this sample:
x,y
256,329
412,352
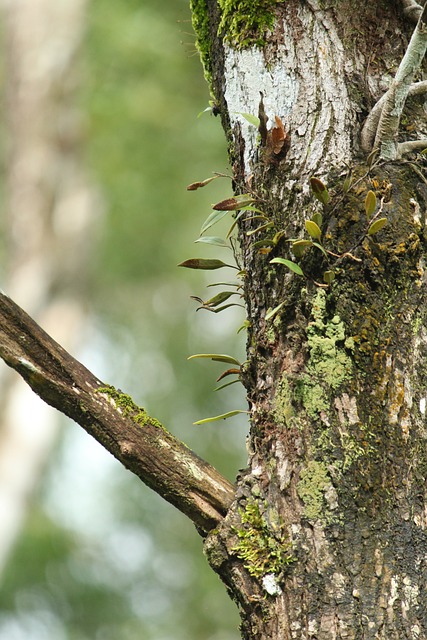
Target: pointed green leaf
x,y
376,226
313,229
347,184
318,219
288,263
217,357
202,263
372,157
214,240
250,118
319,190
223,416
212,219
270,314
226,384
262,227
370,203
224,284
219,298
319,246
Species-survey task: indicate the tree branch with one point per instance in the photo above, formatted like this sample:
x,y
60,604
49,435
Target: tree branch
x,y
388,126
371,124
141,443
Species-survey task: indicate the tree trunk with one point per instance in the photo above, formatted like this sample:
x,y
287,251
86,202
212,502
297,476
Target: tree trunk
x,y
326,537
330,520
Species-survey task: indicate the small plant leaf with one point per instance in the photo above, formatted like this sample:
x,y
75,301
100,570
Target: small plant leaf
x,y
223,416
370,203
299,246
263,243
219,298
267,225
270,314
319,190
288,263
198,185
317,218
313,229
278,236
319,246
372,157
329,276
216,357
226,384
249,117
202,263
232,204
245,326
376,226
214,240
229,372
212,219
347,184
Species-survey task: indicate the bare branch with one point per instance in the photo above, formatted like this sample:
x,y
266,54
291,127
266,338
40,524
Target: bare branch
x,y
141,443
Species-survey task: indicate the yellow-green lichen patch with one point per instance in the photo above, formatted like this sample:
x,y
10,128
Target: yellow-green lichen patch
x,y
262,543
283,411
329,364
128,407
314,482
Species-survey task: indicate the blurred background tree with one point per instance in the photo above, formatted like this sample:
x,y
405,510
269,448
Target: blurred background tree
x,y
100,556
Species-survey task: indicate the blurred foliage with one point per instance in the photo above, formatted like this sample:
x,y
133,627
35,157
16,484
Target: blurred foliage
x,y
102,557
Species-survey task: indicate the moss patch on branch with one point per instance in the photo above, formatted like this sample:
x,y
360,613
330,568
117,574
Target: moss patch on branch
x,y
128,407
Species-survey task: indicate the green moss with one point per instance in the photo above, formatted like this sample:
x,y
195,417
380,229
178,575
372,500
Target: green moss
x,y
128,407
313,483
245,22
200,21
329,364
262,544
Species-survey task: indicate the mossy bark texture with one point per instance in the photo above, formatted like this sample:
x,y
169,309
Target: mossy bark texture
x,y
336,380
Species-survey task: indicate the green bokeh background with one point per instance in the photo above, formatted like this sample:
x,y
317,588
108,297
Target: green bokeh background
x,y
102,557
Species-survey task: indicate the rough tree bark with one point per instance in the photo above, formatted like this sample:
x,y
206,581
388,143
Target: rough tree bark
x,y
326,536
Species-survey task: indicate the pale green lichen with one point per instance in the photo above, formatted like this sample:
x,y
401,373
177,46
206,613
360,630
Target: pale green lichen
x,y
283,411
262,543
313,483
128,407
329,364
